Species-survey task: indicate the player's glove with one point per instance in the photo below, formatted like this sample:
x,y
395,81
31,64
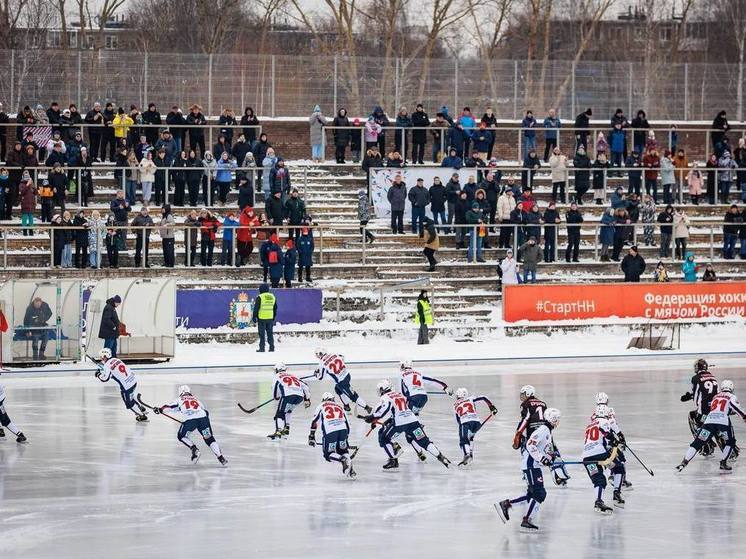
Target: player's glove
x,y
546,461
686,397
307,403
157,411
312,438
517,441
448,390
622,440
493,410
369,418
613,440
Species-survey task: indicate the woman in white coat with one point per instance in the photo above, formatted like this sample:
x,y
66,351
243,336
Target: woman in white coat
x,y
509,268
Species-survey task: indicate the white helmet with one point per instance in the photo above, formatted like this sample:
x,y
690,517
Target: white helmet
x,y
319,352
104,354
727,386
461,393
552,416
602,410
280,368
184,389
327,397
527,391
602,398
384,386
405,364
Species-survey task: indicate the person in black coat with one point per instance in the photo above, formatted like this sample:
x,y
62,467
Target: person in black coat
x,y
247,120
152,116
719,126
341,135
639,136
581,162
81,239
551,220
491,187
109,328
633,265
274,208
582,123
245,193
37,315
419,137
574,218
438,201
463,204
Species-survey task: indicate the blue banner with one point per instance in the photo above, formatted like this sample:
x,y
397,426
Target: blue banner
x,y
213,308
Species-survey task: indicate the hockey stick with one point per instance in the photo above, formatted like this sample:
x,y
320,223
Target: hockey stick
x,y
442,393
490,416
648,470
153,408
354,452
307,376
252,410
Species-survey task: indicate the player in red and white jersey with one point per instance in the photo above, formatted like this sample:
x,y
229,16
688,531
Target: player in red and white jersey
x,y
112,368
599,450
465,409
723,405
289,391
335,430
333,365
413,386
539,451
618,469
7,422
395,417
196,418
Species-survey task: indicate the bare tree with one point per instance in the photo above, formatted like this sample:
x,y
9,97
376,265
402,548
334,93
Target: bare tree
x,y
487,28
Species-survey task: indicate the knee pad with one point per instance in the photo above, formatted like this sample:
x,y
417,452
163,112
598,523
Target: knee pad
x,y
538,493
209,440
599,479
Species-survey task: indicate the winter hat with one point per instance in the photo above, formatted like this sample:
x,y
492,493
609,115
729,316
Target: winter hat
x,y
117,299
356,122
317,109
475,205
289,244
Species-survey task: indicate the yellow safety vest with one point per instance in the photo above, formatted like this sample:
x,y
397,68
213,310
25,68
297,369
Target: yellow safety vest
x,y
426,310
266,307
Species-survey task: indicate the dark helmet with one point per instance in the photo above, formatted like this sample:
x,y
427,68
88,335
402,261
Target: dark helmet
x,y
700,366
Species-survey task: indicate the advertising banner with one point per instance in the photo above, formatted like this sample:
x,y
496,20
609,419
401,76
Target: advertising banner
x,y
658,301
381,180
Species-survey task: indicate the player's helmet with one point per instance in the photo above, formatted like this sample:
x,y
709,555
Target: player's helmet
x,y
527,391
327,397
104,354
184,389
727,386
602,398
700,365
280,368
602,410
405,364
320,352
461,393
552,416
384,386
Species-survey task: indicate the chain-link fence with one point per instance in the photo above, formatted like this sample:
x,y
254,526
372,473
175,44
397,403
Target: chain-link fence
x,y
292,85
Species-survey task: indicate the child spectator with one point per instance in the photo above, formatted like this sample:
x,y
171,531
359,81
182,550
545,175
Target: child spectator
x,y
289,260
245,234
709,274
660,275
28,205
690,268
271,258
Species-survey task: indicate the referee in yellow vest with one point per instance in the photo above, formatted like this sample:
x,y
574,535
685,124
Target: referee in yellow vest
x,y
423,317
265,312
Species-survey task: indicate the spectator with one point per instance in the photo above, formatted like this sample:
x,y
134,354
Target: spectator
x,y
528,126
471,188
419,121
372,160
606,234
289,260
633,265
452,160
633,208
419,198
394,160
530,254
725,174
600,175
56,157
167,143
57,234
109,327
208,226
711,165
162,166
652,163
622,232
619,119
665,218
650,142
482,141
668,176
96,239
209,175
176,121
380,118
401,138
67,236
695,182
194,176
265,314
461,208
531,164
505,205
121,125
690,268
142,148
295,213
166,229
113,239
142,224
227,123
467,123
279,179
680,232
146,175
316,122
95,121
453,192
268,164
432,243
247,222
574,219
397,196
341,134
518,220
372,131
363,215
241,153
719,127
120,209
222,146
275,210
602,146
249,121
4,119
438,198
108,139
58,180
356,141
35,322
224,177
509,269
709,274
633,162
245,193
581,163
551,219
81,239
733,220
85,162
618,198
742,236
179,175
660,275
475,219
424,318
640,124
271,257
457,139
28,204
152,117
438,132
491,187
46,197
681,163
197,121
617,144
558,164
552,124
305,252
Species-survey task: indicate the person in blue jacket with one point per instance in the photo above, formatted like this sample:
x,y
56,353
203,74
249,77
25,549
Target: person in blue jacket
x,y
606,235
305,252
271,258
452,160
458,138
288,263
468,123
529,133
617,142
690,268
229,226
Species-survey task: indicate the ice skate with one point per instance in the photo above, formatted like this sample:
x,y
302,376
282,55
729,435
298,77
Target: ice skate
x,y
421,455
195,455
141,418
527,527
286,431
276,436
502,509
602,507
21,438
466,461
392,464
681,466
627,485
443,460
724,467
618,500
397,450
560,481
2,433
222,460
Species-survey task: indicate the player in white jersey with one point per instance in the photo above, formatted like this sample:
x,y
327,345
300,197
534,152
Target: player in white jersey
x,y
599,450
196,418
618,470
7,422
333,365
413,386
335,429
465,409
716,423
396,417
539,452
289,391
112,368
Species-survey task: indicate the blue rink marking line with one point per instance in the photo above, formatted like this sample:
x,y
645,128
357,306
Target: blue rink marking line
x,y
473,361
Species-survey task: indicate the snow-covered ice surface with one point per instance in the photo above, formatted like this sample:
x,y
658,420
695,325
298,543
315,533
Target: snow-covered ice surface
x,y
93,483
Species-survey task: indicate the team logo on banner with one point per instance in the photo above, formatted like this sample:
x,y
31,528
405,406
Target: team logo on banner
x,y
240,311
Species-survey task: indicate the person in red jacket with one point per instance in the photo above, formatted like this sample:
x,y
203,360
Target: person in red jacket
x,y
208,227
247,222
28,205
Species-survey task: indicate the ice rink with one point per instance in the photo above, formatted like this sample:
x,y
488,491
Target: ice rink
x,y
94,483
